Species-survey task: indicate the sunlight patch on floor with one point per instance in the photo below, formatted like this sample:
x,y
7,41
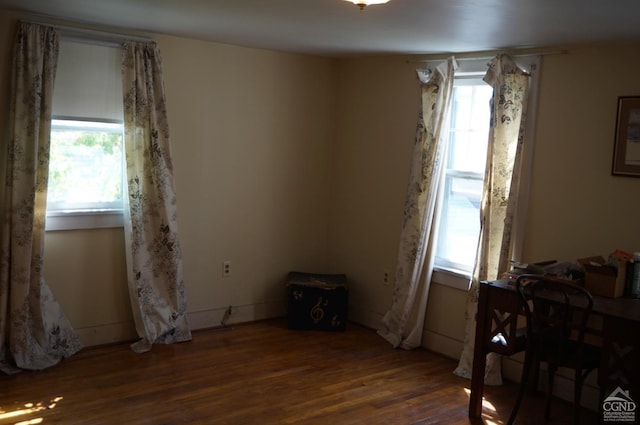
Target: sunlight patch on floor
x,y
30,422
485,403
28,409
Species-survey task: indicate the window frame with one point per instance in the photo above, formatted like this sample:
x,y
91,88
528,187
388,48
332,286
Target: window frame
x,y
447,272
97,216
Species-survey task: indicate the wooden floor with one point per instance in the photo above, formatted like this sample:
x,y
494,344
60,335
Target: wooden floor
x,y
258,373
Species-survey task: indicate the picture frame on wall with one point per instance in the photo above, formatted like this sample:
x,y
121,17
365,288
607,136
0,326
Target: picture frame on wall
x,y
626,148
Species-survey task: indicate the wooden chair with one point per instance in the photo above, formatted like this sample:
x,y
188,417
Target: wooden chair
x,y
556,313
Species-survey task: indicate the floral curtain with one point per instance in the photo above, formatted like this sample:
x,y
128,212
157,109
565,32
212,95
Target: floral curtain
x,y
402,325
154,257
501,195
34,332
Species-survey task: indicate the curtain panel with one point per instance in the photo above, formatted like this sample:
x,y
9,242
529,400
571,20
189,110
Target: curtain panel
x,y
34,332
154,257
501,196
403,324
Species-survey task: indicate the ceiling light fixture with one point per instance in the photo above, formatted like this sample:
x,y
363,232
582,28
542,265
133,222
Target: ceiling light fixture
x,y
362,3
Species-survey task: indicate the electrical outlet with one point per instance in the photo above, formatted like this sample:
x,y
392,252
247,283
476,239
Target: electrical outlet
x,y
226,268
386,277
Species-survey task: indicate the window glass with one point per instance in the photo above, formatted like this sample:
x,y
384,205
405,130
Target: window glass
x,y
85,171
459,215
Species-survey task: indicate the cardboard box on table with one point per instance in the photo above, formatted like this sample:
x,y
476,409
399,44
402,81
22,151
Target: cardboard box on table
x,y
603,280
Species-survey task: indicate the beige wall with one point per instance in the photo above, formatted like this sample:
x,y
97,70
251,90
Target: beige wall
x,y
296,162
377,116
252,135
576,207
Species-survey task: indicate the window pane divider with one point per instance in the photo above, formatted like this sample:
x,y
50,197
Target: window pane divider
x,y
452,172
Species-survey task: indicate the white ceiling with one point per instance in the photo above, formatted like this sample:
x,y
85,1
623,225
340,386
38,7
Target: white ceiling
x,y
338,28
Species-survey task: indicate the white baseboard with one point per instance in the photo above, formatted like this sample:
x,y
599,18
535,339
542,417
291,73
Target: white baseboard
x,y
107,334
562,384
367,318
442,344
239,314
512,370
125,331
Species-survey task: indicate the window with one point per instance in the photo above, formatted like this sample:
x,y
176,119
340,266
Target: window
x,y
86,158
85,172
467,136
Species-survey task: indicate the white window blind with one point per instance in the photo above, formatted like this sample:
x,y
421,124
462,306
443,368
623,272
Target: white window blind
x,y
88,82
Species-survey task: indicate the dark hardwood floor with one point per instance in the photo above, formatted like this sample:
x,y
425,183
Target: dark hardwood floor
x,y
259,373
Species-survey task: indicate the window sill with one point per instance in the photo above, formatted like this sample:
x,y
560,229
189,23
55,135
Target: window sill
x,y
452,278
84,220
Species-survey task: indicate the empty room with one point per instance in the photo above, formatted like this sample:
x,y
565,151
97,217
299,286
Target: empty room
x,y
312,211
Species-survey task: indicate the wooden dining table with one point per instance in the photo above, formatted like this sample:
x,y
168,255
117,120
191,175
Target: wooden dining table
x,y
498,331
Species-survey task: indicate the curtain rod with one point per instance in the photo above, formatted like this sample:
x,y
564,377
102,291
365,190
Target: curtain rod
x,y
80,34
487,54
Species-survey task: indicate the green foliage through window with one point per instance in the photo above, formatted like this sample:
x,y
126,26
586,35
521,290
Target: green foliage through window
x,y
85,167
